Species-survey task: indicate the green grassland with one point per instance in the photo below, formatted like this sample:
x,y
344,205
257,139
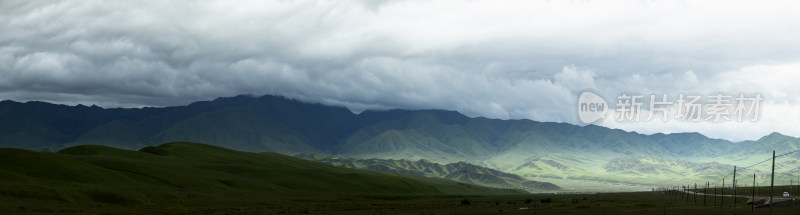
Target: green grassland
x,y
189,177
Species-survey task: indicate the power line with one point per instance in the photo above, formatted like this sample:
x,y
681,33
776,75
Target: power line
x,y
755,164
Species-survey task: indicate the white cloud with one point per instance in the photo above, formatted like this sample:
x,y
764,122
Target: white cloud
x,y
775,83
500,59
575,80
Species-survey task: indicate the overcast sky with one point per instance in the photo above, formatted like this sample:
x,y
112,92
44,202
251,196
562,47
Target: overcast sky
x,y
497,59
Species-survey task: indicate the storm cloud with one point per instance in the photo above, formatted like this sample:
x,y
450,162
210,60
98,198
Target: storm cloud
x,y
497,59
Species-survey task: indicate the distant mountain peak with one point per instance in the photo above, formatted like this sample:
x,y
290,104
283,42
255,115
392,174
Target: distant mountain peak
x,y
773,136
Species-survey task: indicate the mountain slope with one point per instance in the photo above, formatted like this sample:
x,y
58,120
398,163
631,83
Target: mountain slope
x,y
461,171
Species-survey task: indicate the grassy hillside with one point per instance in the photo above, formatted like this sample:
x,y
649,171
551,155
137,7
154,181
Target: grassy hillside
x,y
461,171
188,175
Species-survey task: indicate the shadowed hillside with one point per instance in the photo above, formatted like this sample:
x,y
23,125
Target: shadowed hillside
x,y
184,174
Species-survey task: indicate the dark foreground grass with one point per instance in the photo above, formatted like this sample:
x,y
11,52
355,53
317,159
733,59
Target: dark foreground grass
x,y
201,202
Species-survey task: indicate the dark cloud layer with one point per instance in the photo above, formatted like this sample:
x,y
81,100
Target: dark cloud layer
x,y
525,59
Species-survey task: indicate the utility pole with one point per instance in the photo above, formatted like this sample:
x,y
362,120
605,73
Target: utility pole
x,y
772,182
733,200
705,195
754,193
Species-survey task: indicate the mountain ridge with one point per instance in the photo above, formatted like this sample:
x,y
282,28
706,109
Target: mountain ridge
x,y
539,151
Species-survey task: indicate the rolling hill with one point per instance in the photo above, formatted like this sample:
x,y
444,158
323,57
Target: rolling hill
x,y
183,174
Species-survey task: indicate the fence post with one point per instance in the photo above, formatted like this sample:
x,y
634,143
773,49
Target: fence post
x,y
722,194
695,194
686,190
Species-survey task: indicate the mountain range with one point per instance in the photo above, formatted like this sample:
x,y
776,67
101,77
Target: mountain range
x,y
565,154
